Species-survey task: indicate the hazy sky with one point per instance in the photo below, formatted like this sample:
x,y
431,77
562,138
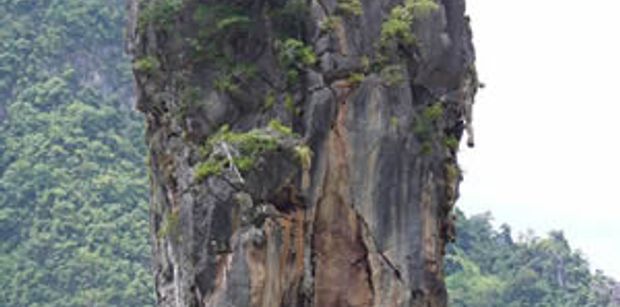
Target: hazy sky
x,y
548,123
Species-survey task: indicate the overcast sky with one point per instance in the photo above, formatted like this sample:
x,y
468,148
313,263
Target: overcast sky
x,y
548,123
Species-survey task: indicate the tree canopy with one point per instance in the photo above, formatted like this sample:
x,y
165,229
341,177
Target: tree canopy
x,y
73,187
488,267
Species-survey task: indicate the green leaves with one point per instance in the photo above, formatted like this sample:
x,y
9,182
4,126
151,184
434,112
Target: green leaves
x,y
73,186
485,267
277,126
470,287
397,29
294,53
232,21
146,64
219,25
350,7
248,148
160,13
294,56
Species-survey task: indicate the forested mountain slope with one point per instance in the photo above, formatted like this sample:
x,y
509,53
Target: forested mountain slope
x,y
487,267
73,186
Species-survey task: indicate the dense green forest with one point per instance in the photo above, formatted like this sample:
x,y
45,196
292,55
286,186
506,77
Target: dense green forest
x,y
489,267
73,184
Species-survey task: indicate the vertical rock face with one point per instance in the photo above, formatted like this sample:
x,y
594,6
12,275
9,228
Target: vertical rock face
x,y
302,153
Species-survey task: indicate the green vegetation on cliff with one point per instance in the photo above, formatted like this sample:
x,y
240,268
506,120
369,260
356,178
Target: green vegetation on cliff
x,y
73,188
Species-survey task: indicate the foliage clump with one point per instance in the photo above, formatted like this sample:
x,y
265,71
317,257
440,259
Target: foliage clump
x,y
453,173
451,143
210,168
423,8
350,7
426,148
270,100
304,155
396,30
148,64
330,23
220,26
295,52
433,112
160,13
170,225
289,103
252,142
242,149
424,126
230,78
225,83
393,75
356,79
221,18
394,122
277,126
295,56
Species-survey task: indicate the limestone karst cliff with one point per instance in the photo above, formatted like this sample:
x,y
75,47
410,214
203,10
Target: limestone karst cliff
x,y
302,152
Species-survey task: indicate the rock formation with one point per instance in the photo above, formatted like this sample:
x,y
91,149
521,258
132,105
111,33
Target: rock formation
x,y
302,152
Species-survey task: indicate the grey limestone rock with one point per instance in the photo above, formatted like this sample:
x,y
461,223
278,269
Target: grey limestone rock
x,y
300,151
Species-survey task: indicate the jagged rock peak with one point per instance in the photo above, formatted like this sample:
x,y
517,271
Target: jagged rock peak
x,y
302,153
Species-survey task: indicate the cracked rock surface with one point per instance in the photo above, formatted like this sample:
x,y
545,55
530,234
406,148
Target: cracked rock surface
x,y
302,153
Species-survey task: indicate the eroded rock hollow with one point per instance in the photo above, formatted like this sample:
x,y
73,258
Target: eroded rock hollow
x,y
302,152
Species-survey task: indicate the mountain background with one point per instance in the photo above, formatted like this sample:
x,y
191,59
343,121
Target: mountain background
x,y
73,182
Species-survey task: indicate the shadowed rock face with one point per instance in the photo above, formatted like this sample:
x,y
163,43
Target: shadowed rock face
x,y
350,208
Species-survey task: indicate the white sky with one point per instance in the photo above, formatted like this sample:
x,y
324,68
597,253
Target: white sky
x,y
548,124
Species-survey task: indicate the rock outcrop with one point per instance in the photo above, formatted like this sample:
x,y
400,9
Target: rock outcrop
x,y
302,153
